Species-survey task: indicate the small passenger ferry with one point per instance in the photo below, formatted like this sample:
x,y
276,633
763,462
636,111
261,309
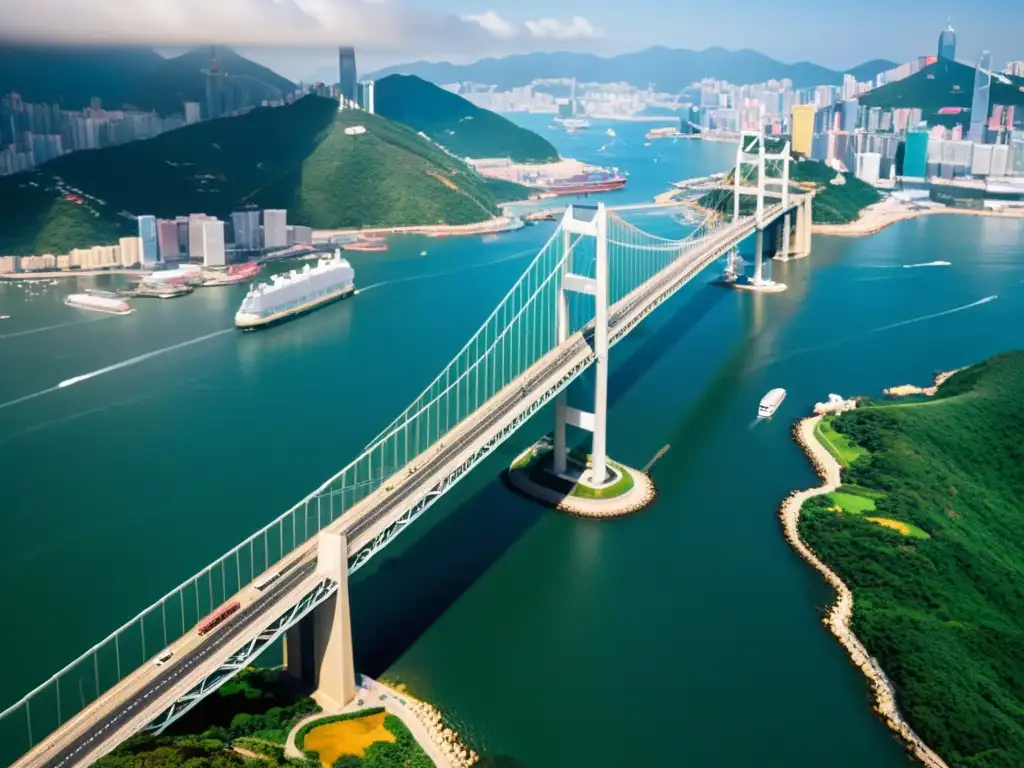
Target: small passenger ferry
x,y
770,403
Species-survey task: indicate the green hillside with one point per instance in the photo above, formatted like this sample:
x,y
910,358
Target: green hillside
x,y
456,124
296,157
833,204
941,604
943,84
139,77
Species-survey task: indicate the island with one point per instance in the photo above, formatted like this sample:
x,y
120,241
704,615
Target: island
x,y
918,527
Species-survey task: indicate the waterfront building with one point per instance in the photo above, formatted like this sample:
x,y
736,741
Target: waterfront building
x,y
246,225
167,239
980,100
150,255
347,83
129,252
213,243
868,166
195,235
803,128
947,43
915,158
275,228
192,112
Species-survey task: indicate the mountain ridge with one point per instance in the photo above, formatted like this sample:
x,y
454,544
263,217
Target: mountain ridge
x,y
137,76
638,68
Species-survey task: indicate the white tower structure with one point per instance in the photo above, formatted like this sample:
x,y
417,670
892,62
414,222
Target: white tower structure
x,y
752,152
585,222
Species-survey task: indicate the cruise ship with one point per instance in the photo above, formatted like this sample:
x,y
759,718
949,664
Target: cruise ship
x,y
297,292
770,403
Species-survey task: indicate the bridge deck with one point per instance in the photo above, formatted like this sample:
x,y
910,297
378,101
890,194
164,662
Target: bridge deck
x,y
142,696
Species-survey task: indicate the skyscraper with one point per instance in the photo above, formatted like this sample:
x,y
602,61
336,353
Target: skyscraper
x,y
247,230
150,255
347,83
803,128
213,243
275,228
980,101
947,43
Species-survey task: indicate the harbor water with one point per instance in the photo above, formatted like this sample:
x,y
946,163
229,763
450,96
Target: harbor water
x,y
688,634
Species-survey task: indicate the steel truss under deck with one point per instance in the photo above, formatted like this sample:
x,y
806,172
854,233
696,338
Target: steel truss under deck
x,y
394,528
243,656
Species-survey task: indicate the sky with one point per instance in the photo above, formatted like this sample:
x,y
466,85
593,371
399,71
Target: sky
x,y
295,37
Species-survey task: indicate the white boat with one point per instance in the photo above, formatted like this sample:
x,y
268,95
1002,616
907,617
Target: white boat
x,y
297,292
610,132
770,403
98,304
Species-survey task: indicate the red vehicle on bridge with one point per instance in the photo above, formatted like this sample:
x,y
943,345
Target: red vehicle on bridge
x,y
216,618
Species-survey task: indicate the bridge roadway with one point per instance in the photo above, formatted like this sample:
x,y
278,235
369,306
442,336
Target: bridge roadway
x,y
143,695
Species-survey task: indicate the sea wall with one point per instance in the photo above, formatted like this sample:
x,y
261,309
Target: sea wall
x,y
840,615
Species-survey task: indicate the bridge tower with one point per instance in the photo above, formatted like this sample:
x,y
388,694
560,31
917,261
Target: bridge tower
x,y
752,152
585,221
318,650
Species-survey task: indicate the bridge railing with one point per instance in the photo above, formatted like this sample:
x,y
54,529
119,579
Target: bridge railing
x,y
518,333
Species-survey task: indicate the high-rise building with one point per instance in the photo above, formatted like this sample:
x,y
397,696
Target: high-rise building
x,y
850,111
947,43
1015,68
247,230
366,96
192,114
347,82
167,239
868,166
195,235
802,128
150,254
213,243
980,100
275,228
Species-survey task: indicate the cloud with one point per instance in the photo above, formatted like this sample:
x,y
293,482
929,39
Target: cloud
x,y
382,26
578,28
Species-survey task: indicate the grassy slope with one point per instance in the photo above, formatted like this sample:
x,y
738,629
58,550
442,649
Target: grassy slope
x,y
455,123
942,615
296,157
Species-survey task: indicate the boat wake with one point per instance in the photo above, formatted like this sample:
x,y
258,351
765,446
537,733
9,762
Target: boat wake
x,y
934,315
140,358
928,264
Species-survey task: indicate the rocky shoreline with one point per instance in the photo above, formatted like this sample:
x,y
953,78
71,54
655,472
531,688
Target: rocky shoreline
x,y
840,615
444,737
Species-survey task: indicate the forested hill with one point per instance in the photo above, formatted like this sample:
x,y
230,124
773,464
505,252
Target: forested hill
x,y
71,76
928,532
297,157
453,122
943,84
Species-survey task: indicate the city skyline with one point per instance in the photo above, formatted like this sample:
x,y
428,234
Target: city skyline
x,y
298,37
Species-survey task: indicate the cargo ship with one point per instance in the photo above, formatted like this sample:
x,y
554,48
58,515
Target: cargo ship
x,y
297,292
98,304
591,180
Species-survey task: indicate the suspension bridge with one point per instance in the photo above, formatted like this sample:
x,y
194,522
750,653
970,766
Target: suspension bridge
x,y
597,278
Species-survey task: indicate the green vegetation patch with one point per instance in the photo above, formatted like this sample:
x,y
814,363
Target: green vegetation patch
x,y
538,465
457,124
853,504
937,568
297,157
839,445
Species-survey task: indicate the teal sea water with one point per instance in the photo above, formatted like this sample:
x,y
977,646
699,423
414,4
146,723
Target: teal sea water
x,y
688,634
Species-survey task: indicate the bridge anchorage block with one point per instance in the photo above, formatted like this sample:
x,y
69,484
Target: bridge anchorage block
x,y
573,489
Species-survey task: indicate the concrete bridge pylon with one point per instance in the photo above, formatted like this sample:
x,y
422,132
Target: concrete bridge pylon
x,y
318,650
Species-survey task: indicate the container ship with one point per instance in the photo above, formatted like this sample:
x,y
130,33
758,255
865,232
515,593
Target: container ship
x,y
98,304
594,180
297,292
